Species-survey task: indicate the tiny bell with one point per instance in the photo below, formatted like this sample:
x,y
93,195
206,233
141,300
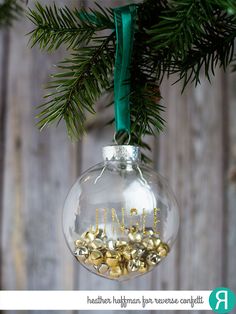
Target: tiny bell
x,y
81,253
102,268
163,249
127,253
111,244
137,252
143,267
148,243
112,258
135,237
121,243
79,242
149,232
97,244
133,265
157,242
96,257
88,236
153,259
115,272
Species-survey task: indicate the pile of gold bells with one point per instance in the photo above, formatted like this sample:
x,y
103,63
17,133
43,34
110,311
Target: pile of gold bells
x,y
117,259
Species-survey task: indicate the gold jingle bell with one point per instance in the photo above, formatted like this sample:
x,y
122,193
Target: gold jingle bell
x,y
115,272
143,267
81,253
102,268
163,249
133,265
153,259
112,258
97,244
135,237
148,243
96,257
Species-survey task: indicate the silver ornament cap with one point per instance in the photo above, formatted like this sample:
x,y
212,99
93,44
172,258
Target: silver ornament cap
x,y
121,153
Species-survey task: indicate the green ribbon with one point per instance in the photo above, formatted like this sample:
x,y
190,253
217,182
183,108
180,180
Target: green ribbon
x,y
125,18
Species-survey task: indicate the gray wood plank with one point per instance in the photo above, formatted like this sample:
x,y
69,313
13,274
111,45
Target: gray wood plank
x,y
191,158
207,184
229,213
4,48
39,168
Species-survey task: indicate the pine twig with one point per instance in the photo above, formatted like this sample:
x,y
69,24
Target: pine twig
x,y
56,26
195,35
85,76
172,37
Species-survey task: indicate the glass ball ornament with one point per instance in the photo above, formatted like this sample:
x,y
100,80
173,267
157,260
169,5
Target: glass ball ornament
x,y
120,218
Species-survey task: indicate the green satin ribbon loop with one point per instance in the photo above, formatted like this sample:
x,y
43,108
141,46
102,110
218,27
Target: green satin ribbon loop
x,y
125,19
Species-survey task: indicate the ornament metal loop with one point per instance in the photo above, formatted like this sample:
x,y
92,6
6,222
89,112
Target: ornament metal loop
x,y
128,140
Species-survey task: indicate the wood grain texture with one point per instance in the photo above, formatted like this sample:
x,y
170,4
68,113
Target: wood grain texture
x,y
4,63
39,167
191,157
230,183
197,154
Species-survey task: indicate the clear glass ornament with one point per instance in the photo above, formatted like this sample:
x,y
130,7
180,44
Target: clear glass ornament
x,y
120,218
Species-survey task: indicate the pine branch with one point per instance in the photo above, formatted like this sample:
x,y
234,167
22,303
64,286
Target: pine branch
x,y
178,24
74,91
172,37
228,5
207,55
56,26
194,35
146,111
9,11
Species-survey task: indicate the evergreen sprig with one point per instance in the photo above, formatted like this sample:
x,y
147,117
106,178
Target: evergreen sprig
x,y
172,37
56,26
195,35
83,78
9,11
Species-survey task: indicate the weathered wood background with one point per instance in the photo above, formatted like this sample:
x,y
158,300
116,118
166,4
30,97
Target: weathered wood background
x,y
197,153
